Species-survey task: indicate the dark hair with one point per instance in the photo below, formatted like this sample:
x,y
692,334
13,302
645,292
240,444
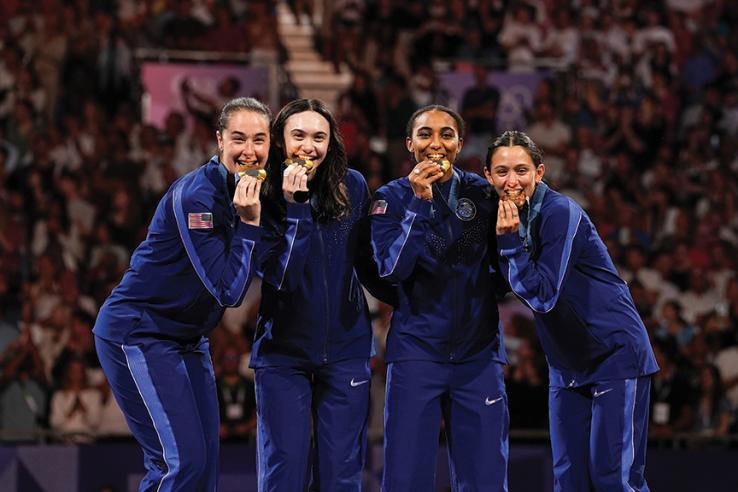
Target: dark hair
x,y
333,202
513,138
435,107
242,104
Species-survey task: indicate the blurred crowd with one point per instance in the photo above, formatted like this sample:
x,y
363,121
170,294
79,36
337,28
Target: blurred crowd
x,y
637,115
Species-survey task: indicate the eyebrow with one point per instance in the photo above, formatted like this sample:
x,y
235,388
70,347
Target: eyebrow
x,y
443,129
300,130
517,164
242,134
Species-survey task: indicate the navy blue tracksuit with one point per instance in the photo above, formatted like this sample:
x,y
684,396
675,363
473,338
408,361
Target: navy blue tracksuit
x,y
598,351
151,332
313,344
444,346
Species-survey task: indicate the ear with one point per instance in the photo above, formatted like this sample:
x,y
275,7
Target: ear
x,y
461,144
488,175
219,136
540,171
409,144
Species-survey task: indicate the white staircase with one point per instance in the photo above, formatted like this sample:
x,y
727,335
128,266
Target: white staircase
x,y
313,76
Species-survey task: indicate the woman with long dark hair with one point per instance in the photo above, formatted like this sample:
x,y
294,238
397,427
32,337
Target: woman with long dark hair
x,y
314,338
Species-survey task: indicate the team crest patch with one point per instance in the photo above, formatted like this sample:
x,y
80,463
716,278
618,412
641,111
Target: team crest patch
x,y
200,220
465,209
379,207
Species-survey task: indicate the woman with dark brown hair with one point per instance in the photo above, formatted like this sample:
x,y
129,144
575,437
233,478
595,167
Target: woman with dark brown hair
x,y
314,337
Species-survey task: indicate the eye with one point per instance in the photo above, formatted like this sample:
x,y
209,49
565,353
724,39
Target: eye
x,y
449,135
423,134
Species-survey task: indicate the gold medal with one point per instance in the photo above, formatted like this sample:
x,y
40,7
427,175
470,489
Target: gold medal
x,y
444,164
516,196
259,174
249,169
300,161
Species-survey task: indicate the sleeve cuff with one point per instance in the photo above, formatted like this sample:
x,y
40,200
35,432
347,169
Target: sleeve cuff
x,y
420,207
509,244
298,210
248,231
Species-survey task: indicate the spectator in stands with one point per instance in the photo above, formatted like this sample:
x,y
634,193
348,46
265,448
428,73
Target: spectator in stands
x,y
521,36
712,410
553,135
674,327
23,386
561,42
479,105
75,406
671,396
726,360
236,398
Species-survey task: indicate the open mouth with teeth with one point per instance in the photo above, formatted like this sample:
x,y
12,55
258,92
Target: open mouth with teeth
x,y
516,196
300,160
244,168
441,161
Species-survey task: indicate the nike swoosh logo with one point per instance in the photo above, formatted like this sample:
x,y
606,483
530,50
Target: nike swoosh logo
x,y
600,393
489,402
354,384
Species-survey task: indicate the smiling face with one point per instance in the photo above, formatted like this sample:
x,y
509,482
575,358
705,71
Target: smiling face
x,y
434,137
307,135
244,142
513,174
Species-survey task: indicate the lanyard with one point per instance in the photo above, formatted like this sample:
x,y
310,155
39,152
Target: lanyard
x,y
453,193
529,215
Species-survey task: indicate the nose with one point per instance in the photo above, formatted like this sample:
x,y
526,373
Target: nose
x,y
435,142
306,146
511,181
248,149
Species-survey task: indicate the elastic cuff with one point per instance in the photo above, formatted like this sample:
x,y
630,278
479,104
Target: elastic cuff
x,y
420,207
248,231
298,210
509,244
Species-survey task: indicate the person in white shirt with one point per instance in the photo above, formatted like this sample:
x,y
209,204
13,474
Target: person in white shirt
x,y
75,407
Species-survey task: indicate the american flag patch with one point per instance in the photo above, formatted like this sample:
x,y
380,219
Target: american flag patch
x,y
379,207
200,220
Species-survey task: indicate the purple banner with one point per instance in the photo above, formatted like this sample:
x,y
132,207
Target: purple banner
x,y
163,84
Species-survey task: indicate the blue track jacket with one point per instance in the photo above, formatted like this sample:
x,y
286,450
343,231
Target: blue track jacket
x,y
438,252
584,314
195,261
313,310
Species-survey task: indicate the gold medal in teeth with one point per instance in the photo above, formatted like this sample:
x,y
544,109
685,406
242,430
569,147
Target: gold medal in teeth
x,y
515,196
249,169
300,161
439,161
259,174
444,164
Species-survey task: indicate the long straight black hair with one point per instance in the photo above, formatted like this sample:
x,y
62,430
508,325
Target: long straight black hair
x,y
332,196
